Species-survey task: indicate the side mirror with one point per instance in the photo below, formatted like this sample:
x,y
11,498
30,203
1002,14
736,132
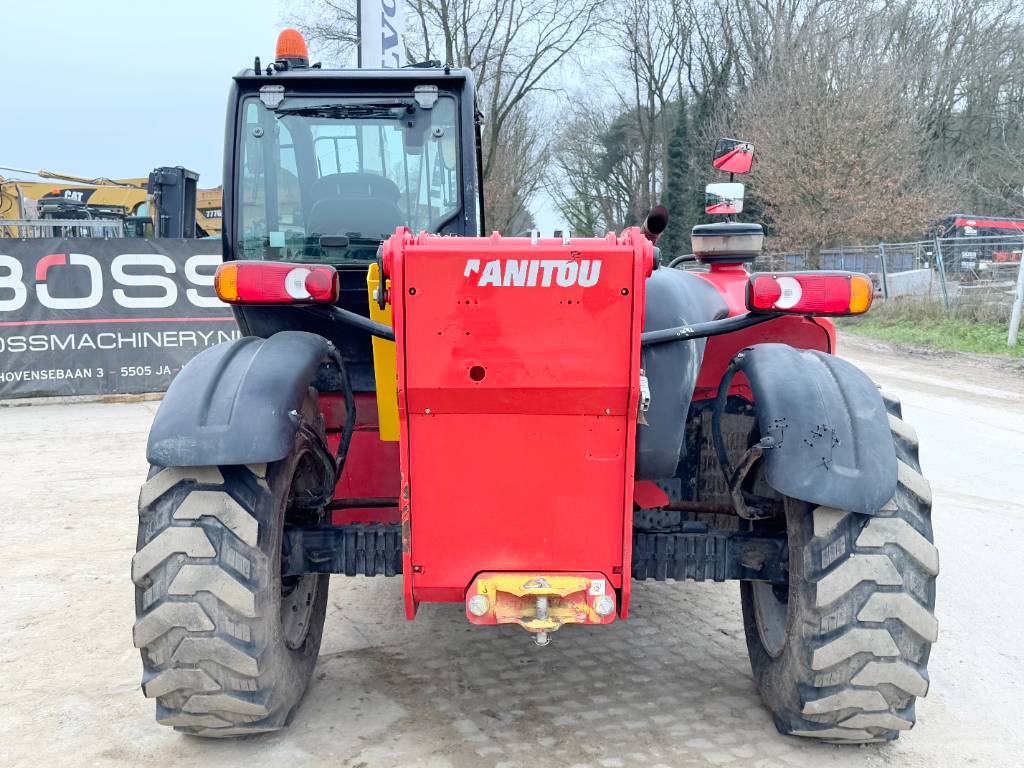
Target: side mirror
x,y
733,156
725,198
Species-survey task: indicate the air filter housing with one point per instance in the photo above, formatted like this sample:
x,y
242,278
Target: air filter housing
x,y
727,241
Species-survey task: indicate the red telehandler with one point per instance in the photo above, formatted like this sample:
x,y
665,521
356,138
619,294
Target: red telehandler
x,y
526,426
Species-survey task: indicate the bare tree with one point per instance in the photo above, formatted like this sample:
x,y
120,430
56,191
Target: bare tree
x,y
516,173
610,164
948,74
331,25
514,48
652,46
997,181
960,66
838,161
598,169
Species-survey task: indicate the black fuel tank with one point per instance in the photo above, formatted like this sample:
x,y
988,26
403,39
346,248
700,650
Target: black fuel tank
x,y
674,298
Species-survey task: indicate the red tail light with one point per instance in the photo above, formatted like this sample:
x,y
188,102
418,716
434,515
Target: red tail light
x,y
810,293
274,282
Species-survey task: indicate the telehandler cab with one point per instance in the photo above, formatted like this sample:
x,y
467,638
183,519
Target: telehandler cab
x,y
526,426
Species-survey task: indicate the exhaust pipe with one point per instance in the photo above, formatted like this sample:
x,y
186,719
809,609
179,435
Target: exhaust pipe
x,y
655,223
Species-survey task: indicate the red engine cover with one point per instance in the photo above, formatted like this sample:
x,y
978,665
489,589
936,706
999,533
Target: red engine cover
x,y
518,386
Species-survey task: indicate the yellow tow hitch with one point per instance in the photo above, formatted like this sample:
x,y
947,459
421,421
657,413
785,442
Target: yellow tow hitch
x,y
540,603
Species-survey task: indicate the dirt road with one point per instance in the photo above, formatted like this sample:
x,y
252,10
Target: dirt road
x,y
670,687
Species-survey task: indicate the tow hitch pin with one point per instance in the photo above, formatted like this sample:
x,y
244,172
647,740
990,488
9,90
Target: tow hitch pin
x,y
542,638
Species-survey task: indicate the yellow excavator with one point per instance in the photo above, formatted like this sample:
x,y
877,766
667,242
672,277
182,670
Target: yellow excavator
x,y
154,206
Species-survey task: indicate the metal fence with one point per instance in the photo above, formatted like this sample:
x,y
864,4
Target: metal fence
x,y
981,273
37,228
898,257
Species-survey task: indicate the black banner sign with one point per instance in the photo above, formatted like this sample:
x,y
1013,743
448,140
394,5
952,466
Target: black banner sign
x,y
88,317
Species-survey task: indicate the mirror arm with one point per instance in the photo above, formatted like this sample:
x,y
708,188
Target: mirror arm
x,y
704,330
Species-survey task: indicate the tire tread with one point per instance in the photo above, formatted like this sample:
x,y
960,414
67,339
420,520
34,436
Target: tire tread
x,y
869,619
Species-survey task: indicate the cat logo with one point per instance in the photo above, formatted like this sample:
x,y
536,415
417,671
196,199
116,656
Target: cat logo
x,y
77,196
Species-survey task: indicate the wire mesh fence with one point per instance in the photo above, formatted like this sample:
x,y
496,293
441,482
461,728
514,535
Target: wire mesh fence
x,y
37,228
897,257
977,277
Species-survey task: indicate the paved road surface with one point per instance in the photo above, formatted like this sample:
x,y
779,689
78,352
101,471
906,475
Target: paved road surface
x,y
670,687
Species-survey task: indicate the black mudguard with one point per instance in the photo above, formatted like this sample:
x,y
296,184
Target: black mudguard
x,y
237,402
674,298
832,443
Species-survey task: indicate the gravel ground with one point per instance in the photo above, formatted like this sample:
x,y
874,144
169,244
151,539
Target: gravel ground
x,y
670,687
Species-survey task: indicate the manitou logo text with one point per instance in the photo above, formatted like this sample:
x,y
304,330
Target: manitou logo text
x,y
533,273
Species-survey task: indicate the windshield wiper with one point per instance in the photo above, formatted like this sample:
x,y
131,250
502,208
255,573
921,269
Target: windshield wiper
x,y
394,110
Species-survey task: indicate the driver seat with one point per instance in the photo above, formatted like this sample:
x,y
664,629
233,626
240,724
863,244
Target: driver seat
x,y
355,202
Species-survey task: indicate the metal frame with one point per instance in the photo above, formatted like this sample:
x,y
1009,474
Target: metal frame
x,y
699,553
103,225
456,82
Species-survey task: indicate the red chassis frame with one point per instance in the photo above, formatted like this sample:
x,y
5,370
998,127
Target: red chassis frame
x,y
500,473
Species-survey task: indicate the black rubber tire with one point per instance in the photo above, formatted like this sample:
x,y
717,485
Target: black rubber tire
x,y
209,594
859,615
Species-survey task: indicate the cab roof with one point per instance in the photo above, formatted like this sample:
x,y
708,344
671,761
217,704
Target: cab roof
x,y
362,76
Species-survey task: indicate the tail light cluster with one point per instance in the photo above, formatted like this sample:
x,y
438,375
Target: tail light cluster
x,y
275,282
801,293
810,293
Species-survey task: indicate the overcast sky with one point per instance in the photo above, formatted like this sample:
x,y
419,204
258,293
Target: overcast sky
x,y
118,87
